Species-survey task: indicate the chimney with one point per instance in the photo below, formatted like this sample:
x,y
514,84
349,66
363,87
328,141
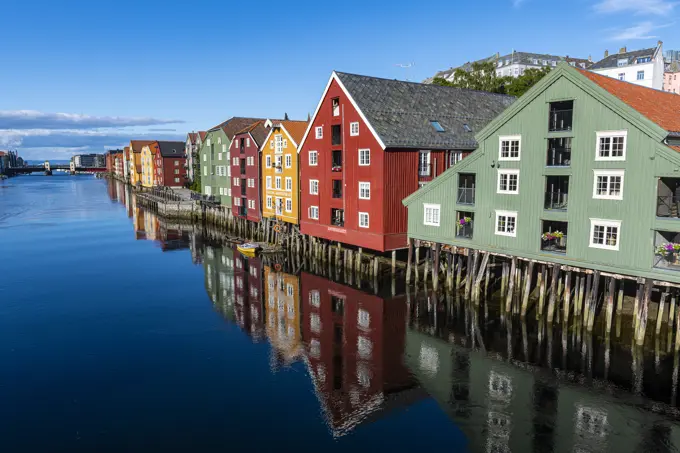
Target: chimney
x,y
606,53
659,43
622,50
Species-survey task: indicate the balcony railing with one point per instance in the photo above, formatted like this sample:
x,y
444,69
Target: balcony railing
x,y
465,231
561,120
555,245
466,195
337,161
556,200
559,157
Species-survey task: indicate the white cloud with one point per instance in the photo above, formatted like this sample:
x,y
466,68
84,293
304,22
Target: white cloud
x,y
32,119
653,7
643,30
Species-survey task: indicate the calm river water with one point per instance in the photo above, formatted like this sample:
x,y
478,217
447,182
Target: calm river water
x,y
120,333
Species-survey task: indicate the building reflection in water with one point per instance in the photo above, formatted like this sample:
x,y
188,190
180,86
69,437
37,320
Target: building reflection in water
x,y
504,404
282,309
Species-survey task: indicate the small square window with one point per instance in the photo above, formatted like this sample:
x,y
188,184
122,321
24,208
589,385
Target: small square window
x,y
269,202
363,219
364,157
354,129
506,223
611,145
289,161
508,182
432,214
605,234
608,184
364,190
289,183
278,182
313,158
641,75
314,212
313,187
509,147
289,205
319,132
268,161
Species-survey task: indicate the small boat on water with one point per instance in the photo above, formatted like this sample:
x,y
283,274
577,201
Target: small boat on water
x,y
248,249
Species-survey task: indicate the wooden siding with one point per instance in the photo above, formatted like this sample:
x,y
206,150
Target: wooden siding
x,y
269,150
210,157
250,150
148,176
646,159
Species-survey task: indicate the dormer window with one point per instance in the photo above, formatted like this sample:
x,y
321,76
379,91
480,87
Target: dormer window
x,y
622,62
437,127
644,60
335,103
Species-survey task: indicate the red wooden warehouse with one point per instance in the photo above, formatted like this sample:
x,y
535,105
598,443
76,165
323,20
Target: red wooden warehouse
x,y
169,165
245,171
371,143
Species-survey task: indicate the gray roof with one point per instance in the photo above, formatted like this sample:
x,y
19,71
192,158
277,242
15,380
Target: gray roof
x,y
401,112
612,61
524,58
171,149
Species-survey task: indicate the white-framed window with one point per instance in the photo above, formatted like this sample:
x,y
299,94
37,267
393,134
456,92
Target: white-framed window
x,y
506,223
268,161
289,183
364,157
278,164
313,158
432,214
509,147
176,179
364,190
313,186
237,182
605,234
641,75
278,143
289,205
205,157
363,219
234,161
278,182
268,181
424,163
208,142
318,131
622,76
314,212
229,191
289,161
176,163
508,181
248,142
229,170
611,145
354,129
285,143
455,157
269,202
221,191
608,184
205,171
237,202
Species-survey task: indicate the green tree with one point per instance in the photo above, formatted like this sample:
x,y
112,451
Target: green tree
x,y
520,85
482,76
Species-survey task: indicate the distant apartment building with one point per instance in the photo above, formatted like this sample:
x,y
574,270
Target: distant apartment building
x,y
672,82
672,56
90,160
515,63
643,67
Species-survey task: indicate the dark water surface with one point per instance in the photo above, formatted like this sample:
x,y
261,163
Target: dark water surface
x,y
119,333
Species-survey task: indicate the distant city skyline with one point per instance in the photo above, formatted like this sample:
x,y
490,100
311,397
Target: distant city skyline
x,y
89,77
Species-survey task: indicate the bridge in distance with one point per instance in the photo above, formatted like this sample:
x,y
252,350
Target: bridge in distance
x,y
47,168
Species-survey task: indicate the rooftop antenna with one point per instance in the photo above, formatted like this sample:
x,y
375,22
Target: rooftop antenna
x,y
406,67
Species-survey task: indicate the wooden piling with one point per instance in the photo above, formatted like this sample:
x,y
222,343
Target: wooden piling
x,y
394,263
594,300
459,270
409,262
480,275
449,270
640,338
610,304
511,285
541,290
417,264
527,288
435,267
659,314
567,298
553,293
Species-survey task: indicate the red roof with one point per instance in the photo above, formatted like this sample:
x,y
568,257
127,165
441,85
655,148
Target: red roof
x,y
661,107
2,153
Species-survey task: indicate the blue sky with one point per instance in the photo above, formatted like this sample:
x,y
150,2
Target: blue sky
x,y
83,76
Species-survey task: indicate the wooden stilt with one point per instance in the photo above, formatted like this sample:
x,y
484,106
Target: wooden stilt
x,y
671,312
480,275
594,300
659,314
487,277
469,272
567,298
394,263
610,304
588,297
449,270
435,267
553,293
504,278
636,308
527,288
459,270
541,290
640,339
417,263
376,265
409,261
511,285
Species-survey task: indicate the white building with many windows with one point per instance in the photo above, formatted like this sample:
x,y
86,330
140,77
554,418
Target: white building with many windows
x,y
643,67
